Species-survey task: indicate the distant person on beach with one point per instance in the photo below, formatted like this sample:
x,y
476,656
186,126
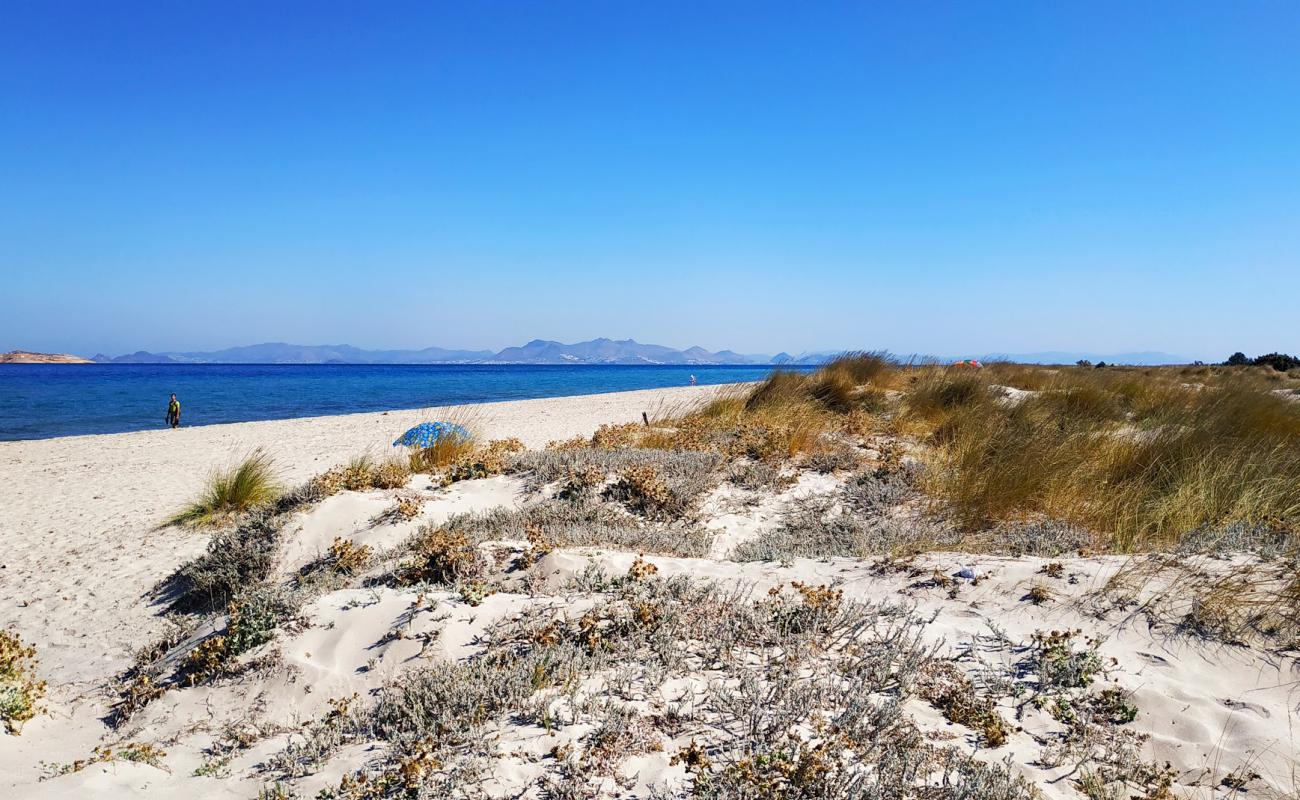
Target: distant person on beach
x,y
692,380
174,412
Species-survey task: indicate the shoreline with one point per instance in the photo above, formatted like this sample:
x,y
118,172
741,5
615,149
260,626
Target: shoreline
x,y
358,415
79,514
85,554
75,403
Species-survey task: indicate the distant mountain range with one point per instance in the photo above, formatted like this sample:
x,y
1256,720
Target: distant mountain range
x,y
541,351
280,353
538,351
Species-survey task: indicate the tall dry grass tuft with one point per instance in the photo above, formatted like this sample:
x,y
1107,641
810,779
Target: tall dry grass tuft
x,y
449,449
1018,376
837,387
1136,456
781,388
862,368
441,454
249,485
932,394
788,415
1141,458
834,391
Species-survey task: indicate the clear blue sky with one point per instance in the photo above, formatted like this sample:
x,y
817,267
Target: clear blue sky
x,y
925,177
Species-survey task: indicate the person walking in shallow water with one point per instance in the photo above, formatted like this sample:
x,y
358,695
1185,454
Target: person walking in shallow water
x,y
174,412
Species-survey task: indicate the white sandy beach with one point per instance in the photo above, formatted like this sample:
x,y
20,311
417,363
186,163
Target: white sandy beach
x,y
79,517
78,514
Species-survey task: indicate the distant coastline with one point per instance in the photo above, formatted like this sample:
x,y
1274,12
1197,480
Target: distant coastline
x,y
28,357
623,352
40,401
602,351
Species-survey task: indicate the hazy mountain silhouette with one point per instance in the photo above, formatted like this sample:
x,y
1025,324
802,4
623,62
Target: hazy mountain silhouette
x,y
538,351
594,351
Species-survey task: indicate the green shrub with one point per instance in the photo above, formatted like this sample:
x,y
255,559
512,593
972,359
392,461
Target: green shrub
x,y
249,485
20,691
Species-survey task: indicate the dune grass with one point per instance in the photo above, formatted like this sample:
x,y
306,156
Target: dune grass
x,y
1242,602
789,415
248,485
450,448
441,454
837,387
1137,455
1140,457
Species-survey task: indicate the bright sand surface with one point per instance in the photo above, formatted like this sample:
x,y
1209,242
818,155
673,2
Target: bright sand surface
x,y
78,515
79,521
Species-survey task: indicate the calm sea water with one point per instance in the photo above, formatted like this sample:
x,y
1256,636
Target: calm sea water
x,y
39,401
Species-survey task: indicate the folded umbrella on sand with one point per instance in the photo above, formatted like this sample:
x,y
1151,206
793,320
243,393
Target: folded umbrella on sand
x,y
427,434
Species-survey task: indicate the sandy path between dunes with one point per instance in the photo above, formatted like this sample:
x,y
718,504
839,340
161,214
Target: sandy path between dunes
x,y
78,514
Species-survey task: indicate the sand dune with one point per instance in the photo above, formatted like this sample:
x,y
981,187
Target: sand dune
x,y
78,514
79,518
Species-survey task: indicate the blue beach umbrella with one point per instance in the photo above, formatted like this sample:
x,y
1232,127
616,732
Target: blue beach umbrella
x,y
427,434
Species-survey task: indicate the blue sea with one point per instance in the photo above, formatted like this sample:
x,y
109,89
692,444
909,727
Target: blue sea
x,y
39,401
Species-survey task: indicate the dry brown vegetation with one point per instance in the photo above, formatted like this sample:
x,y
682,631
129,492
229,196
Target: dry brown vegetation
x,y
440,556
1140,457
803,691
450,447
1247,602
1133,454
20,690
365,472
349,558
492,458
